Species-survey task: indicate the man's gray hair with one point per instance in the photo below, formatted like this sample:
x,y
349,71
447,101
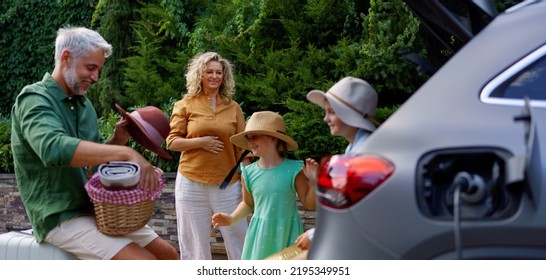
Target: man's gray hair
x,y
80,41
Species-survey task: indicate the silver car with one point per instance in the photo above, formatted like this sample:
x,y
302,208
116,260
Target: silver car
x,y
459,170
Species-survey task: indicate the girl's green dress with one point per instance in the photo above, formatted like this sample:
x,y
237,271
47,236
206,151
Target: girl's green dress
x,y
275,223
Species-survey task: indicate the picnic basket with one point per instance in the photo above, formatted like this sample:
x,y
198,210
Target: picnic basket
x,y
121,211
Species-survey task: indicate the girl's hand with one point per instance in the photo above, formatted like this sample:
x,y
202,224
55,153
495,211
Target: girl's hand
x,y
221,220
311,170
303,241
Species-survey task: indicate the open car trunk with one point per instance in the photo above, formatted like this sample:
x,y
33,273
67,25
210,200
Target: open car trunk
x,y
454,22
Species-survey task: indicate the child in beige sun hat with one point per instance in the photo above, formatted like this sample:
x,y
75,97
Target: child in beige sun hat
x,y
349,107
270,185
266,123
354,101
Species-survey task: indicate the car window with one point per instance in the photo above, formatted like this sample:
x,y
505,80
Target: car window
x,y
531,83
527,78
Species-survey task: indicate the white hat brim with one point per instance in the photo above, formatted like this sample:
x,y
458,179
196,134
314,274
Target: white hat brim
x,y
346,114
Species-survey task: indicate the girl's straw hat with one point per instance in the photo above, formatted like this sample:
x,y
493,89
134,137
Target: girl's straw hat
x,y
266,123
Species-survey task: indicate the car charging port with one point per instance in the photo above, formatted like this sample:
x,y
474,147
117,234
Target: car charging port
x,y
479,176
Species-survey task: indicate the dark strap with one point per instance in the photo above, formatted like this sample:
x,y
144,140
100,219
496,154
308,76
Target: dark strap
x,y
230,174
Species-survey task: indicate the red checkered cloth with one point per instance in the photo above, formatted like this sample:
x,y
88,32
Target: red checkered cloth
x,y
98,193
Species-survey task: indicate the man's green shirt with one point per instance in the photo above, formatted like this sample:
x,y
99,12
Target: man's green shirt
x,y
47,126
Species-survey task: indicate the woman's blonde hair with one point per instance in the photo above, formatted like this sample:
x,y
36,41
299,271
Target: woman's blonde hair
x,y
196,69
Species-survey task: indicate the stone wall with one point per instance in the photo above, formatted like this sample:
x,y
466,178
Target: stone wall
x,y
163,221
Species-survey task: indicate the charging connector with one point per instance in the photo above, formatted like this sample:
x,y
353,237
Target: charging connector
x,y
472,187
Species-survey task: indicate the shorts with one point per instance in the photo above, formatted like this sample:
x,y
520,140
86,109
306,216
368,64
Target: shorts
x,y
81,237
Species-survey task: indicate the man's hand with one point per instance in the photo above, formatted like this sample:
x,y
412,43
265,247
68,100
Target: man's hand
x,y
149,174
121,135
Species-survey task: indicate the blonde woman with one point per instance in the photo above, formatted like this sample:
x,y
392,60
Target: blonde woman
x,y
201,124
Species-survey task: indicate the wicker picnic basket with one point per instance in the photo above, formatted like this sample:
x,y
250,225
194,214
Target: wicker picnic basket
x,y
120,211
113,219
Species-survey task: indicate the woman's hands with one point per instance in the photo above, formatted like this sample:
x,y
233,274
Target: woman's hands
x,y
212,144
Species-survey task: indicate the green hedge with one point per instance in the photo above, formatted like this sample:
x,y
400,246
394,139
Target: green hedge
x,y
280,49
6,158
27,44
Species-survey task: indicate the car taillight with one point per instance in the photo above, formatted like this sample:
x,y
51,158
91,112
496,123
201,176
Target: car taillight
x,y
345,179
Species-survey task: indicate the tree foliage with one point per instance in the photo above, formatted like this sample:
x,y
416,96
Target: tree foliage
x,y
111,19
280,49
27,44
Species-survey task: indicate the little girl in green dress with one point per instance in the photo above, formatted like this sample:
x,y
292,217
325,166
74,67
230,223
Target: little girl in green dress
x,y
270,185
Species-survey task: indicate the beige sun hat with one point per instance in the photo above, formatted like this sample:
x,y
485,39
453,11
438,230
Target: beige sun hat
x,y
267,123
353,100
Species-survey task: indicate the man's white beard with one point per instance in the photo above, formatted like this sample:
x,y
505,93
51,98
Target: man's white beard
x,y
73,82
